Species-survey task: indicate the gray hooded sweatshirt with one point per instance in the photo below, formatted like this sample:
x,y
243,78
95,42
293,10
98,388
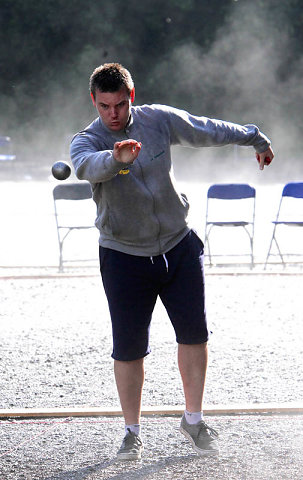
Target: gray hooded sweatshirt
x,y
139,210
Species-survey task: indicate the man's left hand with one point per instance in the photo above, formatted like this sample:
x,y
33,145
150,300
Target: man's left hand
x,y
265,158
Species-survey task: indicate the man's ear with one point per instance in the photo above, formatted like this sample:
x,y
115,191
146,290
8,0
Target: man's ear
x,y
132,95
93,100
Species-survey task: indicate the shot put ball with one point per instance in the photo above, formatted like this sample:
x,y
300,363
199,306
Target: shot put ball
x,y
61,170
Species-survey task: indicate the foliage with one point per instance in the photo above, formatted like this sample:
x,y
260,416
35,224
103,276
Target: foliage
x,y
49,49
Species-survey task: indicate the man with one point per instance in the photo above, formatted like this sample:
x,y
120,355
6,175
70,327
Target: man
x,y
146,246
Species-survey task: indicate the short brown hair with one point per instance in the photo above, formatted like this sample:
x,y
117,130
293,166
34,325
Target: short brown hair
x,y
110,77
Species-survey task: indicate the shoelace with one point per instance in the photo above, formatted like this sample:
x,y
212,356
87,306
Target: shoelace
x,y
129,438
204,427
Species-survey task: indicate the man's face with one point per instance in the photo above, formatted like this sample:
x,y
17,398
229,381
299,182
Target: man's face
x,y
113,108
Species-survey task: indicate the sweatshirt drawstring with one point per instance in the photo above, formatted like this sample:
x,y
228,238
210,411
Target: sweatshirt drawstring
x,y
164,258
166,261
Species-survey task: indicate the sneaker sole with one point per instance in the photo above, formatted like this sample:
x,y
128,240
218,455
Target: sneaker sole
x,y
129,456
197,449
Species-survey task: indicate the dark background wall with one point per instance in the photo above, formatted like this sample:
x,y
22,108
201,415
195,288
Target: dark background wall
x,y
237,60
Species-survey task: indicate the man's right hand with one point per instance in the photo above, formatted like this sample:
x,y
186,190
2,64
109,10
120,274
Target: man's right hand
x,y
127,151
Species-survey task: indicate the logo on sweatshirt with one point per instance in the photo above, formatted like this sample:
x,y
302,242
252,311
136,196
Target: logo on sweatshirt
x,y
156,156
124,171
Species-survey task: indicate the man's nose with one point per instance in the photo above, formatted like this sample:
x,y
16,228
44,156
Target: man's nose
x,y
114,112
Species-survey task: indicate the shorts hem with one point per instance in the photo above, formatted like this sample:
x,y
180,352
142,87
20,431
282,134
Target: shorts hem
x,y
194,342
137,357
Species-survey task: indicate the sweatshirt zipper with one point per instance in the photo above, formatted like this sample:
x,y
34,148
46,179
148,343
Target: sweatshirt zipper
x,y
153,200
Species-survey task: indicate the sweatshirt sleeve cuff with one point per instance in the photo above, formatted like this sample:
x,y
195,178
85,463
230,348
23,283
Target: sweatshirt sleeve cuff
x,y
114,166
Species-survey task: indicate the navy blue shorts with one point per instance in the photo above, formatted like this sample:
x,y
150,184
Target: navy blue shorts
x,y
132,285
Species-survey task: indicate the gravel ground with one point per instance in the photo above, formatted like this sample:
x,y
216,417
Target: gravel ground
x,y
252,448
56,343
55,352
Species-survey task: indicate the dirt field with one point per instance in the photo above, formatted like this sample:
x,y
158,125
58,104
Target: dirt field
x,y
55,352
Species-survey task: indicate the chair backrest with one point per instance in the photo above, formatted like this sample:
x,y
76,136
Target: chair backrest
x,y
231,191
71,215
218,203
293,189
72,191
288,209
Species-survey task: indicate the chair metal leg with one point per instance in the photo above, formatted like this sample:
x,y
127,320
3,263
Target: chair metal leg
x,y
60,257
269,250
208,247
278,248
252,254
61,241
273,239
251,241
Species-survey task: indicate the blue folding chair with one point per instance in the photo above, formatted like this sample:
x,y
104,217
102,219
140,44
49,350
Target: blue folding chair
x,y
293,190
237,192
6,149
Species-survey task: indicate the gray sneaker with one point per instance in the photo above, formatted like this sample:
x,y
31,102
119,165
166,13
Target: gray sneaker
x,y
201,436
131,448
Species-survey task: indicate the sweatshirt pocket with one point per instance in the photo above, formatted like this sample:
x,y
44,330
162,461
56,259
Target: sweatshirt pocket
x,y
130,223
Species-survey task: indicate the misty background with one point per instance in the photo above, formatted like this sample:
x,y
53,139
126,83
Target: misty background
x,y
240,61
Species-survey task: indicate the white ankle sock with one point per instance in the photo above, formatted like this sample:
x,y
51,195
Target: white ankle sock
x,y
193,417
135,428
